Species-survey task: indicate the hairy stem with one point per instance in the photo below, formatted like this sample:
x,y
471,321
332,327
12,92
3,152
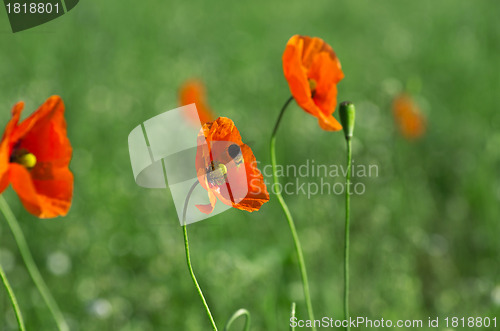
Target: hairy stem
x,y
288,215
186,246
13,300
188,258
31,266
346,240
235,316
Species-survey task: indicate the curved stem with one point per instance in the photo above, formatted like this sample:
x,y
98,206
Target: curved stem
x,y
31,266
277,125
288,215
236,315
346,241
13,300
188,258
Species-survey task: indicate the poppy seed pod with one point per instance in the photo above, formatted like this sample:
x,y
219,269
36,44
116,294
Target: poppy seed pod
x,y
347,114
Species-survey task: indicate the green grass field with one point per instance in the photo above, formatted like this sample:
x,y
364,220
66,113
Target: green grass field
x,y
424,235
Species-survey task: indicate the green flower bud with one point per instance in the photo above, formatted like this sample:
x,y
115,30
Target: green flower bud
x,y
347,116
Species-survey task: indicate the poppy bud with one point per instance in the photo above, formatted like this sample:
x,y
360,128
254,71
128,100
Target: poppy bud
x,y
347,115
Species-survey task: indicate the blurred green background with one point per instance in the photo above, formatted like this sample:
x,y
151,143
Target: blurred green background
x,y
424,236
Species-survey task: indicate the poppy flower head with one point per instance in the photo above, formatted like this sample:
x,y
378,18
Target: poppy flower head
x,y
34,159
227,168
193,91
313,71
408,117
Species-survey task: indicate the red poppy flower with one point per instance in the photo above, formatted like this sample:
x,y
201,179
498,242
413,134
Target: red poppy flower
x,y
193,91
408,117
313,71
34,158
227,168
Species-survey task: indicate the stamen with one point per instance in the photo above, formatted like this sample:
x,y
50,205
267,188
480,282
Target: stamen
x,y
312,85
24,158
216,173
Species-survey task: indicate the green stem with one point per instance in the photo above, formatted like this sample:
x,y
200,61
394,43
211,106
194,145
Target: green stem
x,y
346,241
188,258
288,215
236,315
186,245
31,266
13,300
292,315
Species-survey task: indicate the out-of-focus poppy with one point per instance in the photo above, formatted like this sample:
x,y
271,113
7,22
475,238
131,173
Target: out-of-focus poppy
x,y
408,117
34,158
193,91
313,71
227,168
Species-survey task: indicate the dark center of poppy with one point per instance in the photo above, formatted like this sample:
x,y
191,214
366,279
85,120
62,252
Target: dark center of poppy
x,y
216,173
23,157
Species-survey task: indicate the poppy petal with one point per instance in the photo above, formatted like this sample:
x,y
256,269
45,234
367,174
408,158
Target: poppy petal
x,y
222,129
21,182
236,187
244,188
54,185
295,74
193,91
6,145
328,122
327,74
408,117
208,209
46,124
309,60
211,134
257,191
37,203
311,46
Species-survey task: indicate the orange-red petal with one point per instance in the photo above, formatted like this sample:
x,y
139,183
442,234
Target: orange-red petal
x,y
21,182
408,117
306,59
222,129
46,190
6,145
257,191
44,134
193,91
51,202
211,146
54,186
208,208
